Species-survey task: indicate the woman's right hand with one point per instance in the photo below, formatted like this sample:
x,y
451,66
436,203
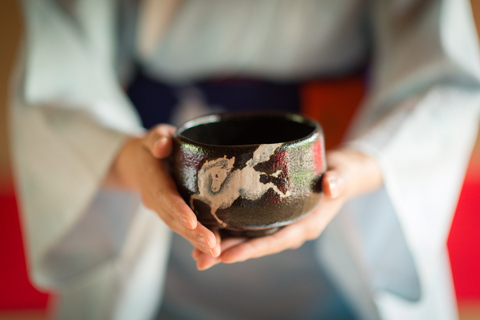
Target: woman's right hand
x,y
140,167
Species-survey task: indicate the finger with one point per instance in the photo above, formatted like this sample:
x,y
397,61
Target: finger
x,y
200,237
217,250
206,261
159,140
287,238
224,245
160,194
199,255
231,242
204,240
196,253
290,237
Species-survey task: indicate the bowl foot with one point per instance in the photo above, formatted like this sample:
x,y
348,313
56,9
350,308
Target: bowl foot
x,y
251,233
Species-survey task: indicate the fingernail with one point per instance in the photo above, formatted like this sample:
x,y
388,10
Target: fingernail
x,y
203,247
160,141
201,267
336,186
155,144
215,251
187,223
204,241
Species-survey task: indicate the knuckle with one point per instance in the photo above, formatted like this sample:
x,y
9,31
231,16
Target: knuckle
x,y
297,244
153,134
315,234
158,128
147,202
312,235
162,130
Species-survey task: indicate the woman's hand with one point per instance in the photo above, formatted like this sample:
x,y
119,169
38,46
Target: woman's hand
x,y
139,167
350,173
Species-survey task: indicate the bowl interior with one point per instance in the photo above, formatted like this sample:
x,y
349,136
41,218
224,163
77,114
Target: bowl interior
x,y
247,129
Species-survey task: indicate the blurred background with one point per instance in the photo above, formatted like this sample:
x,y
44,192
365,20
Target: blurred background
x,y
20,300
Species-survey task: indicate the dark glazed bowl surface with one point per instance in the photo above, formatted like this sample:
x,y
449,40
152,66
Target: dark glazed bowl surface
x,y
249,173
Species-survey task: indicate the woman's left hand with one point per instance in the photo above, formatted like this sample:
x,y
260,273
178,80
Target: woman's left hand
x,y
350,173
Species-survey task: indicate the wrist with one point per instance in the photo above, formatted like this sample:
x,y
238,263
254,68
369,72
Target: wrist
x,y
122,173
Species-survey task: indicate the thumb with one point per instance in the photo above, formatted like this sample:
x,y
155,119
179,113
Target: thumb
x,y
159,140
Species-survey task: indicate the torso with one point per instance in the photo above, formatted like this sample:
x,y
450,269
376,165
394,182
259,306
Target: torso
x,y
269,39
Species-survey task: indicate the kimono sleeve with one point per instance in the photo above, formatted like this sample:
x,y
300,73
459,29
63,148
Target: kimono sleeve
x,y
419,122
69,117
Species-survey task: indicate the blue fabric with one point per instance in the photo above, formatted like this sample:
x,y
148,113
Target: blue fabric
x,y
155,101
288,285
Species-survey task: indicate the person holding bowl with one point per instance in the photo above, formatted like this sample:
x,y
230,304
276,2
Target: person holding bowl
x,y
98,203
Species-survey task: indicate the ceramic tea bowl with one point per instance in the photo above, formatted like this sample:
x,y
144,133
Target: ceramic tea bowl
x,y
249,173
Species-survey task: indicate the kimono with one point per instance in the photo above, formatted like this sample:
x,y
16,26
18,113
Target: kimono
x,y
105,254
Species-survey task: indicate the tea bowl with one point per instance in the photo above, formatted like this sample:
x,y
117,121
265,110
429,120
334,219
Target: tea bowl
x,y
249,174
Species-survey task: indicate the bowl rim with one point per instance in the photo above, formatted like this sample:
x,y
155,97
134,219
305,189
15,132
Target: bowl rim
x,y
218,116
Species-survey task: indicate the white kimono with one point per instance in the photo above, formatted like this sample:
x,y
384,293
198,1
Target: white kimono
x,y
105,254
